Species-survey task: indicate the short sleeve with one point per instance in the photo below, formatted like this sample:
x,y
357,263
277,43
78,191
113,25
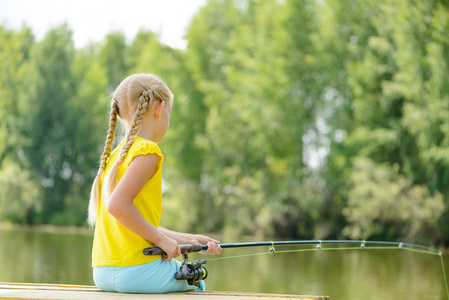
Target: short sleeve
x,y
144,147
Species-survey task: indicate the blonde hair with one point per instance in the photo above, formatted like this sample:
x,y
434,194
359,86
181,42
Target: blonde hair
x,y
136,93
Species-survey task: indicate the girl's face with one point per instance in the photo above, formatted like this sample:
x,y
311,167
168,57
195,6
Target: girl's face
x,y
162,124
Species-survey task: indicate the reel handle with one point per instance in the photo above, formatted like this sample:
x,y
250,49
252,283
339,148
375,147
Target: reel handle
x,y
188,248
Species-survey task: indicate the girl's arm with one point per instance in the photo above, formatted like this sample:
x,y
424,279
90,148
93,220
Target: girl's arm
x,y
121,206
187,238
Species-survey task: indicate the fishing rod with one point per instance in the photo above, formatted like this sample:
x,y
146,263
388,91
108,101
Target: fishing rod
x,y
189,248
192,272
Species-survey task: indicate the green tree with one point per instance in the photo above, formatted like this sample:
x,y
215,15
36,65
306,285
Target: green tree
x,y
14,59
253,167
20,192
383,204
46,110
113,57
87,124
386,82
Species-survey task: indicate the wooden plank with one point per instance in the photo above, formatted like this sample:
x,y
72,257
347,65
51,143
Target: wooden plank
x,y
58,291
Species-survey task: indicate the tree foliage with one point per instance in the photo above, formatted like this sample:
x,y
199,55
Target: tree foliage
x,y
296,118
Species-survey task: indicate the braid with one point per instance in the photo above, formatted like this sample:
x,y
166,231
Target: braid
x,y
145,101
96,187
110,136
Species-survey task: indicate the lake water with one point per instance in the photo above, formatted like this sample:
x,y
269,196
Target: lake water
x,y
34,256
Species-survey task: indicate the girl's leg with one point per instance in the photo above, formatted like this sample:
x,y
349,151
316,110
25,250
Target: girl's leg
x,y
151,278
104,278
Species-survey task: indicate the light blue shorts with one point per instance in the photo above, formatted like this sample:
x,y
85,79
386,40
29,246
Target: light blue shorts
x,y
156,277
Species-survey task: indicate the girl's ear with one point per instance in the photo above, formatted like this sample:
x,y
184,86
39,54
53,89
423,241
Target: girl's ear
x,y
158,107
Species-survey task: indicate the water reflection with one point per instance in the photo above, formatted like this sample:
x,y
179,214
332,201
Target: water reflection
x,y
46,257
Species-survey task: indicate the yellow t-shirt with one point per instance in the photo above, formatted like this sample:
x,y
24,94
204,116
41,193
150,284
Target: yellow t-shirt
x,y
115,245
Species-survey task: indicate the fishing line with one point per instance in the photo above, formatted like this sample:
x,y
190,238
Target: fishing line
x,y
444,275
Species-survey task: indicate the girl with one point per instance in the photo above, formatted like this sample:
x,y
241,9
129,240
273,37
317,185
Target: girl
x,y
125,202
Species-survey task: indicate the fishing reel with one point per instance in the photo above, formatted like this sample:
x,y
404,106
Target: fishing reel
x,y
192,272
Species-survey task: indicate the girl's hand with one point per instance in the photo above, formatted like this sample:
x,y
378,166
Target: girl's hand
x,y
170,246
213,246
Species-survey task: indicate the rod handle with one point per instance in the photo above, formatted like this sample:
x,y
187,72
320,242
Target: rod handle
x,y
153,251
188,248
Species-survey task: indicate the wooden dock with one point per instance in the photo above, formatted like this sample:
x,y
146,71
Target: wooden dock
x,y
57,291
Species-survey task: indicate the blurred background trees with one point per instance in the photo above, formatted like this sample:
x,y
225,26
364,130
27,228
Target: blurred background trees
x,y
295,119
